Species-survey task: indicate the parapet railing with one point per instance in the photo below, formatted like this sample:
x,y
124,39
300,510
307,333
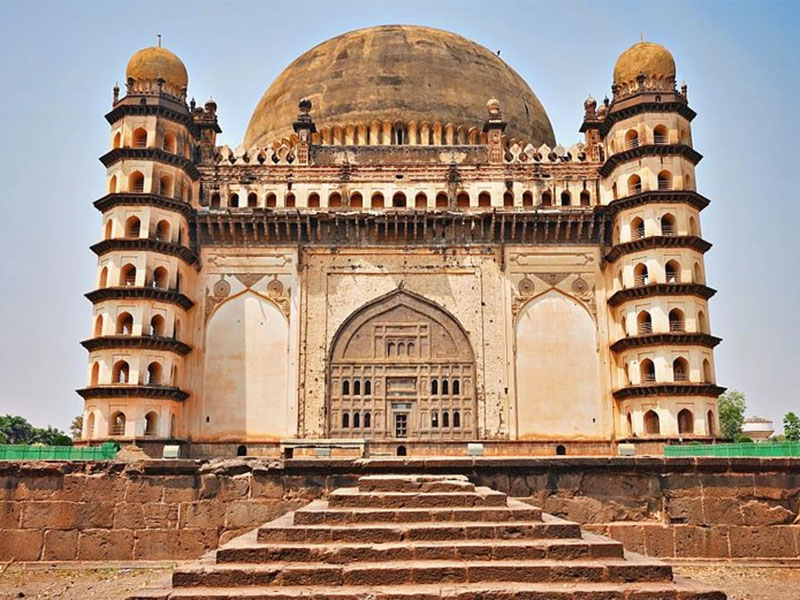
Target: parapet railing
x,y
764,449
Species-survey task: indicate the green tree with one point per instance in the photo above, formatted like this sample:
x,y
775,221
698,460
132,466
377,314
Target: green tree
x,y
791,427
50,437
76,427
731,407
16,430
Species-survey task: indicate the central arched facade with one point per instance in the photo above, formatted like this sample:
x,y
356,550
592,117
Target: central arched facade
x,y
401,368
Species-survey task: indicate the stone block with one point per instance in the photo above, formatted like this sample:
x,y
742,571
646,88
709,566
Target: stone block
x,y
631,535
659,540
685,509
757,512
60,545
158,515
129,515
206,514
722,510
144,489
763,542
95,515
171,544
43,487
10,513
80,487
20,544
49,515
105,544
248,515
182,488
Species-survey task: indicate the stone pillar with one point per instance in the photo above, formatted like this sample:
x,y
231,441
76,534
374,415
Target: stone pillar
x,y
494,131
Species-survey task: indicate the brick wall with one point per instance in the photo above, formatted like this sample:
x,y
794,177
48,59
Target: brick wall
x,y
721,508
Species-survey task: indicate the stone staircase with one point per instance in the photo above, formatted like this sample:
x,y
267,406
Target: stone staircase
x,y
423,537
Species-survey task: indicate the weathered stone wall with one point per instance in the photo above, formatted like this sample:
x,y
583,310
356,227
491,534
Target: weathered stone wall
x,y
716,508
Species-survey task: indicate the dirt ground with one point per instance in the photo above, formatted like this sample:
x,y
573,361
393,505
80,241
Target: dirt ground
x,y
741,582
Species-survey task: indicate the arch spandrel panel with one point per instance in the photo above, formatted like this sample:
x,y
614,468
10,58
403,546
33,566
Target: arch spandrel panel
x,y
384,360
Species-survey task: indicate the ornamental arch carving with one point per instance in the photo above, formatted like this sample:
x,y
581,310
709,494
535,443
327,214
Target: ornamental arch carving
x,y
401,367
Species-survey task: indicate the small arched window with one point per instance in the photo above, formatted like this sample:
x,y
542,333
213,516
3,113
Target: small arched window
x,y
162,231
157,326
121,372
566,198
445,418
631,139
346,387
136,182
462,199
672,271
90,426
629,424
456,387
377,200
586,198
708,376
680,369
434,418
634,184
660,135
685,421
289,201
233,200
98,326
644,323
637,228
252,200
677,322
711,423
160,278
442,201
116,424
313,200
128,276
133,227
124,324
139,138
484,200
527,199
547,198
641,275
95,373
668,225
434,387
697,273
170,143
647,371
399,200
103,281
357,387
445,387
508,199
702,324
356,200
693,229
664,180
112,184
154,374
165,186
345,420
420,201
335,200
272,200
117,143
151,424
652,424
215,200
456,419
357,420
367,419
367,387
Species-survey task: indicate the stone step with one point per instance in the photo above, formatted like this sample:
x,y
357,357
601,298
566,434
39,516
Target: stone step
x,y
419,484
319,512
284,530
680,589
422,572
354,498
246,549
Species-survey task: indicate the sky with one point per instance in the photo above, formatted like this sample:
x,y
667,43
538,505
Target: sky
x,y
62,59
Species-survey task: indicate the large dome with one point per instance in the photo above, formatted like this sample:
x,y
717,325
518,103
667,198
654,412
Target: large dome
x,y
399,72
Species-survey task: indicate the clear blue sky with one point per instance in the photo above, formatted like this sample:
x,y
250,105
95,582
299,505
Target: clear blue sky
x,y
60,61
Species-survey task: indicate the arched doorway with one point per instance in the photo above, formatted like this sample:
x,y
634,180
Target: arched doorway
x,y
401,367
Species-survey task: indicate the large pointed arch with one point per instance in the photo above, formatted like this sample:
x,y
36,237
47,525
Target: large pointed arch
x,y
390,360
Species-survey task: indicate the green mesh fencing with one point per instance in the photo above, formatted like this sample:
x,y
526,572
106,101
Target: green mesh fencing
x,y
745,449
23,452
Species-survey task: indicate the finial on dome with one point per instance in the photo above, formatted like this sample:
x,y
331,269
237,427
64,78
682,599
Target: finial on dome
x,y
493,106
304,105
210,105
158,35
590,106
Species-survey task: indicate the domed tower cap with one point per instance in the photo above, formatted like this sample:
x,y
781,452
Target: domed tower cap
x,y
157,62
649,58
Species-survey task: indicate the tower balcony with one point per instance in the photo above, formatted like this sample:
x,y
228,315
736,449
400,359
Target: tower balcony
x,y
667,239
675,337
650,388
116,199
638,152
153,154
133,390
649,290
137,342
150,244
131,292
